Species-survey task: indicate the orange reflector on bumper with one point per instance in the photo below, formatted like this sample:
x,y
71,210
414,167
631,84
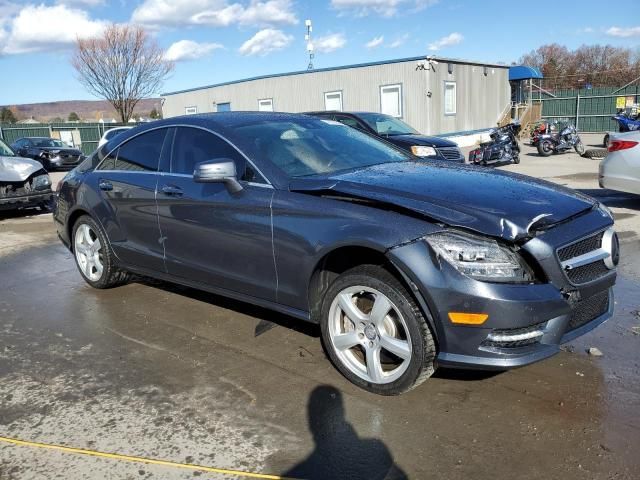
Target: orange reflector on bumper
x,y
468,318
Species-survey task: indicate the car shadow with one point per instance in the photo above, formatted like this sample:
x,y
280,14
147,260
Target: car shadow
x,y
22,213
268,319
339,452
612,198
465,375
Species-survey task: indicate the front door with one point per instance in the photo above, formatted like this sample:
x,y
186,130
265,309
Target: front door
x,y
210,235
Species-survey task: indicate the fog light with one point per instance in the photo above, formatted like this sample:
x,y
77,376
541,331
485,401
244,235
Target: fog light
x,y
468,318
516,337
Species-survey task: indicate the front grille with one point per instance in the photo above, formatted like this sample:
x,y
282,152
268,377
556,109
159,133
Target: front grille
x,y
587,273
589,309
581,247
583,273
450,153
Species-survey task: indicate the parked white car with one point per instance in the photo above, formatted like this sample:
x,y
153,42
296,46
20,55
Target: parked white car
x,y
109,134
620,169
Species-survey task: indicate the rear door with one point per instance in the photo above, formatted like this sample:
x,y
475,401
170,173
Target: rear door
x,y
127,181
212,236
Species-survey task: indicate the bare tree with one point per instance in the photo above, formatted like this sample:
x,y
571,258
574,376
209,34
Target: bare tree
x,y
122,66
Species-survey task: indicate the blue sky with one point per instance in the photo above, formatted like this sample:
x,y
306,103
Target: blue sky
x,y
218,40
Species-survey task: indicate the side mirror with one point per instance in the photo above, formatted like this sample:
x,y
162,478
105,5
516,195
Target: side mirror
x,y
221,170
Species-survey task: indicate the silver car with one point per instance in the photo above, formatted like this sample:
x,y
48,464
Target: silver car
x,y
620,169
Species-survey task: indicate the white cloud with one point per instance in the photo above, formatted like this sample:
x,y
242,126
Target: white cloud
x,y
386,8
624,32
329,43
265,41
80,3
375,42
452,39
45,28
398,42
215,13
189,50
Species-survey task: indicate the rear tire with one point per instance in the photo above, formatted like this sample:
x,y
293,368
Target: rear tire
x,y
93,255
545,149
605,141
516,159
374,332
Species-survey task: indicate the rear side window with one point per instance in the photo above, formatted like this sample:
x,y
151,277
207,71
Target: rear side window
x,y
192,146
141,153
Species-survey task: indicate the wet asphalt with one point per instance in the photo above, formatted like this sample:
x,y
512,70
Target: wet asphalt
x,y
165,372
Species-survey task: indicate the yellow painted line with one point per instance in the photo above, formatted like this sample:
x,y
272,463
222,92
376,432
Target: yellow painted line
x,y
131,458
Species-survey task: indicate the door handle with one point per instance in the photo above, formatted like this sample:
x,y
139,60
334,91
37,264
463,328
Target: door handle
x,y
105,185
172,190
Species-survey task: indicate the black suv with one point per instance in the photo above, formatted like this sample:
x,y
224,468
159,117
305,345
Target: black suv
x,y
50,152
397,132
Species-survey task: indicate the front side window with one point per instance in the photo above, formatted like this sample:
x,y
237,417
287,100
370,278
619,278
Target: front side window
x,y
333,101
310,147
193,145
450,98
391,100
140,154
265,105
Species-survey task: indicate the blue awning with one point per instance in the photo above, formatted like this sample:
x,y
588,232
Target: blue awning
x,y
524,72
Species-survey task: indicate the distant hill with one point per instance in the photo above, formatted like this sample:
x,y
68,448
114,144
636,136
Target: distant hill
x,y
86,109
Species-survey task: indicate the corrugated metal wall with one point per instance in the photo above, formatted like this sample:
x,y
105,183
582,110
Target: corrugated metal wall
x,y
480,98
592,108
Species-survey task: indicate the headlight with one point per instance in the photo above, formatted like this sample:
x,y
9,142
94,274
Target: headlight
x,y
422,151
41,182
480,258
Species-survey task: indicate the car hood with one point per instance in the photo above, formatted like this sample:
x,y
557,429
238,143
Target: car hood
x,y
491,202
69,151
17,169
417,139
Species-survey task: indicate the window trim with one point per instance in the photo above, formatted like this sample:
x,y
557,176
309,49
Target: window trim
x,y
333,92
455,98
264,100
194,112
400,98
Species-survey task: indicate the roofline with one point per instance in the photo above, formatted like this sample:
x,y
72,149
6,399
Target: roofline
x,y
341,67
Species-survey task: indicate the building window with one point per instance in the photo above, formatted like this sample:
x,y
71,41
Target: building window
x,y
223,107
190,110
333,101
265,105
450,98
391,100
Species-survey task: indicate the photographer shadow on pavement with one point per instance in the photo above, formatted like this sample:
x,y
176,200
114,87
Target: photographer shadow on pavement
x,y
339,452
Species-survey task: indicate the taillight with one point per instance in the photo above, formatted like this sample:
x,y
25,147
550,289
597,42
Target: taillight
x,y
616,145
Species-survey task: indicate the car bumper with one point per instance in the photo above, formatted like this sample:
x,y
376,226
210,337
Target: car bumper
x,y
66,162
25,201
513,310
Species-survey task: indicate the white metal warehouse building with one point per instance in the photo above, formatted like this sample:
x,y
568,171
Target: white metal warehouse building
x,y
445,96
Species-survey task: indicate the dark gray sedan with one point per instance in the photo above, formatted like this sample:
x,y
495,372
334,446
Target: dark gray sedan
x,y
405,264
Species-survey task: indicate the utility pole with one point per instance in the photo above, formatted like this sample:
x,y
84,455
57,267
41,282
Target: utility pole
x,y
307,38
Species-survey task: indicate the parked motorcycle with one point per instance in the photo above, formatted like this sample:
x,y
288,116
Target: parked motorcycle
x,y
626,123
503,147
540,128
564,139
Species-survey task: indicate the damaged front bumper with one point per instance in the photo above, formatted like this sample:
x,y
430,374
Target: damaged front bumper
x,y
34,199
526,322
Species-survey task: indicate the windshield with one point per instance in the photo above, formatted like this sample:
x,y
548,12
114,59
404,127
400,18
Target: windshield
x,y
311,147
387,125
5,150
49,142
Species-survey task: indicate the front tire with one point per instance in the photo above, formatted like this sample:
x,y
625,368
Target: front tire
x,y
605,141
545,149
375,333
579,147
93,255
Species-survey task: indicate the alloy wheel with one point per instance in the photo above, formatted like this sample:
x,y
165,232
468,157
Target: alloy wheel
x,y
369,334
88,251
